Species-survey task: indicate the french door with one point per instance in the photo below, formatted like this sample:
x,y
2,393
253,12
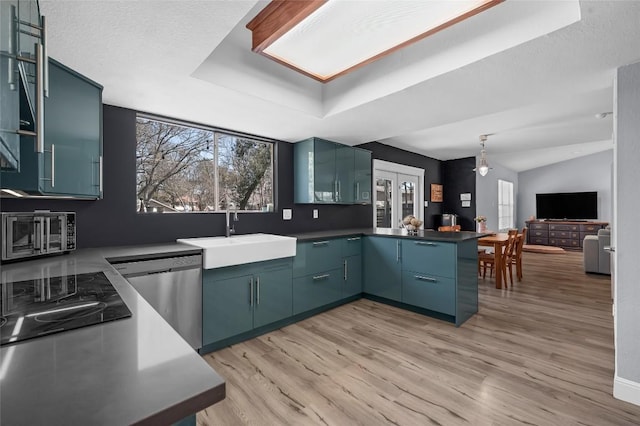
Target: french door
x,y
396,196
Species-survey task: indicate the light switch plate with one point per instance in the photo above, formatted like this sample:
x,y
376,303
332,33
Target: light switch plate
x,y
286,214
426,204
315,213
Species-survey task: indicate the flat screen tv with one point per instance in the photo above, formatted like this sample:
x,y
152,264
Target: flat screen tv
x,y
567,205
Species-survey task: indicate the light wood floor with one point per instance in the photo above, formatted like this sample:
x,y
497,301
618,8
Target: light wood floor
x,y
540,353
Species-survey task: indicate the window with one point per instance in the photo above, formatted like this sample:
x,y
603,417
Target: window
x,y
182,168
505,205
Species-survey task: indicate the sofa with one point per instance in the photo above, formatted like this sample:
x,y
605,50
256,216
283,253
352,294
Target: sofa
x,y
596,259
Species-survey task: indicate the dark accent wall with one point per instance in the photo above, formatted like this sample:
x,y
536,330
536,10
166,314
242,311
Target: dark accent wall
x,y
460,178
114,221
432,174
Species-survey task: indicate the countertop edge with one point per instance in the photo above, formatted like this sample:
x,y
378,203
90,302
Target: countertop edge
x,y
453,237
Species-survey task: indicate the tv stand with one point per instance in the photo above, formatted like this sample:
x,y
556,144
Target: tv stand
x,y
559,233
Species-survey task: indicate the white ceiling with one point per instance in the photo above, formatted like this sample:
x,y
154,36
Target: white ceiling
x,y
532,73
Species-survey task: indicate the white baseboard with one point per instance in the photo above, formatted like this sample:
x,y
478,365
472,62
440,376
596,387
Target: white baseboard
x,y
626,390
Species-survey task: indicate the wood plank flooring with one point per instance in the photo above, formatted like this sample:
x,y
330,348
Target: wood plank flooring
x,y
540,353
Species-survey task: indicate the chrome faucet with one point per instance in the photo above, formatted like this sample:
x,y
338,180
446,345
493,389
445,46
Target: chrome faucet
x,y
231,228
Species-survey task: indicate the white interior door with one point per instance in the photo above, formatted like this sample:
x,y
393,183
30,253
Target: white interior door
x,y
398,193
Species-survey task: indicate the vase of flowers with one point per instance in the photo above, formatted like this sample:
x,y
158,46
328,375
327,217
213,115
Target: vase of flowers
x,y
482,223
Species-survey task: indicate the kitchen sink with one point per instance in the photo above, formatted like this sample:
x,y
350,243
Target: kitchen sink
x,y
218,252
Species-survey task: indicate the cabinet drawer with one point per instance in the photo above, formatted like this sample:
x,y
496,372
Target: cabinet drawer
x,y
539,226
564,234
538,240
590,228
313,291
429,257
539,233
563,242
575,228
429,292
316,256
352,246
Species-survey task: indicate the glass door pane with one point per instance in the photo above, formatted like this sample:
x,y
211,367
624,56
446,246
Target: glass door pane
x,y
409,202
383,203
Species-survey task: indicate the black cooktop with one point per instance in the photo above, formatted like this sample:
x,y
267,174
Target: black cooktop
x,y
44,306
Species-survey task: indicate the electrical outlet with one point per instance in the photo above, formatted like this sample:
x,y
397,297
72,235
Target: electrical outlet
x,y
286,214
315,213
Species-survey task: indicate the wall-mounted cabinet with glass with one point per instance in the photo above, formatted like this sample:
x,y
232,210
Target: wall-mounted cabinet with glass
x,y
327,172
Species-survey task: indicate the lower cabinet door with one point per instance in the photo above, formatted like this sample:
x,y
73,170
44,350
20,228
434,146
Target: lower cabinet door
x,y
273,296
429,291
313,291
382,276
352,276
227,308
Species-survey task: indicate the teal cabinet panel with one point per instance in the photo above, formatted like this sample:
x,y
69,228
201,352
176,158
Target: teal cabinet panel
x,y
317,256
430,257
352,276
467,281
352,246
345,174
382,274
71,164
429,291
227,306
273,295
325,172
363,176
324,175
313,291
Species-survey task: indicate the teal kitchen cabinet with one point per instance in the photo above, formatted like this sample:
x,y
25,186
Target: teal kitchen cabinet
x,y
430,257
238,299
382,275
70,162
429,291
314,257
352,264
362,176
325,172
316,290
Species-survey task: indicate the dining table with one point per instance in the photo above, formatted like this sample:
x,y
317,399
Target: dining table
x,y
498,241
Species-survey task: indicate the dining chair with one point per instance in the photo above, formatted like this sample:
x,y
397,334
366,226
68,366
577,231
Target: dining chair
x,y
454,228
488,260
517,258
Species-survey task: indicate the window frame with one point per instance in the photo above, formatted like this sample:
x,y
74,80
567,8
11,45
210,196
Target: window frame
x,y
219,130
510,205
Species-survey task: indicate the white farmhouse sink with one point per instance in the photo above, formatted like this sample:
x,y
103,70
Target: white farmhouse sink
x,y
218,252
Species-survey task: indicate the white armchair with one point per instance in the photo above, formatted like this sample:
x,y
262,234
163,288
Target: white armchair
x,y
596,259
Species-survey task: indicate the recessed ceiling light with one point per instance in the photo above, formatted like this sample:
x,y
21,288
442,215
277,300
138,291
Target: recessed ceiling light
x,y
326,39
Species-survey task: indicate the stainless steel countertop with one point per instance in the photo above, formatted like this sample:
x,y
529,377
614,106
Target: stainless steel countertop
x,y
126,371
453,237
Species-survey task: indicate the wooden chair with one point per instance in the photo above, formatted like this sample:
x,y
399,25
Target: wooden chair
x,y
454,228
517,258
487,259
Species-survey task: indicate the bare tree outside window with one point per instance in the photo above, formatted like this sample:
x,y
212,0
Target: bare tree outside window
x,y
188,169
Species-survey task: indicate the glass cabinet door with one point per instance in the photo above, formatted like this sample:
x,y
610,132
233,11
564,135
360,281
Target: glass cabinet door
x,y
362,178
344,174
324,165
9,88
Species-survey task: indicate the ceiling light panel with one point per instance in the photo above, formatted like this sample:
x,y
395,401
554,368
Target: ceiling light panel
x,y
342,35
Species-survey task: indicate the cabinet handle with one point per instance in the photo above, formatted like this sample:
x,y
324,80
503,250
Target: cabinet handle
x,y
345,269
53,165
353,239
423,278
47,233
321,277
12,50
251,292
320,243
100,177
339,192
43,40
423,243
40,98
357,190
258,290
335,190
397,251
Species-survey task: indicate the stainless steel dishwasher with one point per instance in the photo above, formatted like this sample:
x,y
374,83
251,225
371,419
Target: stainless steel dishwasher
x,y
173,286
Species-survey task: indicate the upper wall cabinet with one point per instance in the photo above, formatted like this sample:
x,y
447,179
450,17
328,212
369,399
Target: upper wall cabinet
x,y
69,160
327,172
22,76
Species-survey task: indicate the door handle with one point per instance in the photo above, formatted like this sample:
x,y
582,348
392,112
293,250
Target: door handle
x,y
251,291
258,290
609,249
320,277
423,278
345,269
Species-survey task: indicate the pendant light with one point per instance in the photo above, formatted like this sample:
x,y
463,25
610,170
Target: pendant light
x,y
483,166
